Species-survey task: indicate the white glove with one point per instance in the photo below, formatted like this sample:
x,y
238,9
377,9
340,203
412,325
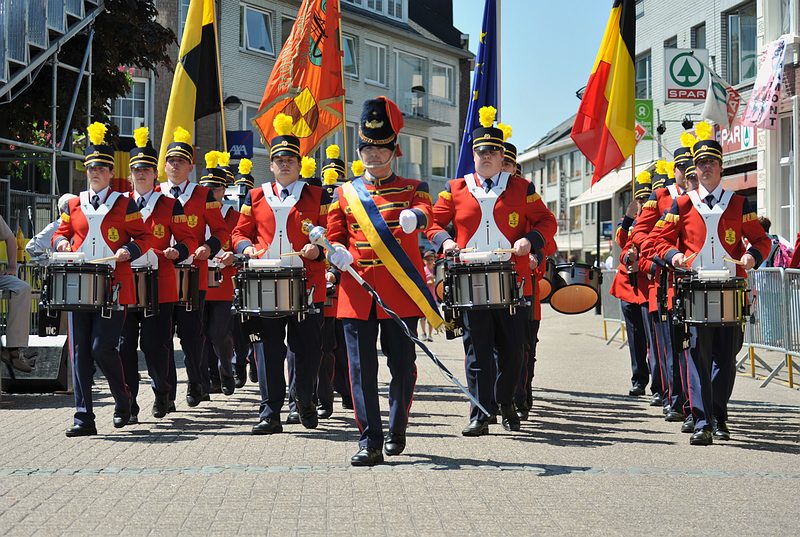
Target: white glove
x,y
340,258
408,221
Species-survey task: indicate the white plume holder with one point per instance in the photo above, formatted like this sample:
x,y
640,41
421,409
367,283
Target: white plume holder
x,y
713,275
68,257
257,264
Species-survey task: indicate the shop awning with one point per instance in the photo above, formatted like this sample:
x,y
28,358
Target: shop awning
x,y
606,187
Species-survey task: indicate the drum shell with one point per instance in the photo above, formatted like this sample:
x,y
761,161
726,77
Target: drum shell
x,y
438,279
188,281
214,276
271,292
576,288
481,285
330,294
713,303
79,287
145,282
547,283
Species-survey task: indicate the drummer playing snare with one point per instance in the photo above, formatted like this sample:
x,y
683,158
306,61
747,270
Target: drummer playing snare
x,y
704,231
493,210
102,225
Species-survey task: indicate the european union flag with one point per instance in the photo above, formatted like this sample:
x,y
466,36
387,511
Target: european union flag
x,y
485,84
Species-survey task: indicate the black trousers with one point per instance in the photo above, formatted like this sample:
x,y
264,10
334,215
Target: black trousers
x,y
635,320
156,343
93,340
523,396
485,331
657,378
218,340
189,327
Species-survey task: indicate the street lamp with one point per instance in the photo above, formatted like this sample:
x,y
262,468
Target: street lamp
x,y
232,102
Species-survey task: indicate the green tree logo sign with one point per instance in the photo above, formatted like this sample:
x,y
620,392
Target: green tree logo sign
x,y
686,70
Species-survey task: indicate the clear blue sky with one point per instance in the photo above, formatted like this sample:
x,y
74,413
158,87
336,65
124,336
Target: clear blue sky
x,y
548,49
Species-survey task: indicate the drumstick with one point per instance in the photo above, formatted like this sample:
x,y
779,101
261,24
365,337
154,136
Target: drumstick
x,y
287,254
466,250
687,259
103,259
732,260
259,253
503,251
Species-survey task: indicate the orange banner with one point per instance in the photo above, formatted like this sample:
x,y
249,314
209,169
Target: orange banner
x,y
306,81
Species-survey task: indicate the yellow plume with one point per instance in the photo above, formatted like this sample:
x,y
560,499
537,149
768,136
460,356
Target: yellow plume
x,y
182,135
245,165
357,167
661,167
644,178
486,115
506,130
704,130
332,151
212,159
141,136
329,176
224,159
97,133
307,167
688,139
671,170
282,124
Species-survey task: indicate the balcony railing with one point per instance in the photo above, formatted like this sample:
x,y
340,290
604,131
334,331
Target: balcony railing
x,y
419,105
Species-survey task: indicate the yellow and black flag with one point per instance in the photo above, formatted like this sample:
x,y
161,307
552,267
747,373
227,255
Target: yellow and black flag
x,y
196,90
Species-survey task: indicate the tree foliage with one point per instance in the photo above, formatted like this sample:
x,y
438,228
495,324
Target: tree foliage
x,y
126,34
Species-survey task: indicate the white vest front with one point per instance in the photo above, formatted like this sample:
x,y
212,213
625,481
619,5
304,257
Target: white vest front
x,y
95,245
149,258
280,209
712,254
487,237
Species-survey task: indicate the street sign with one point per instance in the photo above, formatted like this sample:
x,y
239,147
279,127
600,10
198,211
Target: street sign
x,y
644,117
686,75
240,144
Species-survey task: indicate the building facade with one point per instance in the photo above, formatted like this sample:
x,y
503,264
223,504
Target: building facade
x,y
423,66
759,163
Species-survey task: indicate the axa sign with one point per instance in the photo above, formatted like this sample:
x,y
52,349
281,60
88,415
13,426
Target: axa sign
x,y
240,144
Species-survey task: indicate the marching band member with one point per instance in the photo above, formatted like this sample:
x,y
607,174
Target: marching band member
x,y
271,222
165,219
243,347
217,318
492,209
374,223
101,223
631,287
201,209
704,230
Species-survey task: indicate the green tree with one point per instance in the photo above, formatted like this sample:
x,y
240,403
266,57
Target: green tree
x,y
126,34
686,72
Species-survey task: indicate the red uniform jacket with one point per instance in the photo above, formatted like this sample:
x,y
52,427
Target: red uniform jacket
x,y
201,210
391,194
519,212
256,227
224,292
165,222
122,227
621,287
683,230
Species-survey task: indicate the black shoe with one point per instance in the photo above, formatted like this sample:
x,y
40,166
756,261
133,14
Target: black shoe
x,y
656,400
367,457
193,395
134,419
636,391
268,426
216,387
476,427
81,430
702,437
394,443
309,418
121,419
171,407
240,381
523,414
492,419
325,411
672,415
347,402
721,431
228,386
293,418
253,374
240,374
510,418
688,424
160,408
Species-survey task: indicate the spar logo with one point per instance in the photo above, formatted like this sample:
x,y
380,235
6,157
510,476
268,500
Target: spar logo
x,y
686,74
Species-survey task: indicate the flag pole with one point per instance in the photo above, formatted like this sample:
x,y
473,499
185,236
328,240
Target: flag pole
x,y
633,174
344,93
219,80
498,50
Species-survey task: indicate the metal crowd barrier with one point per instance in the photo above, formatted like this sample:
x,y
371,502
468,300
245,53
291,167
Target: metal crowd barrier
x,y
611,308
774,324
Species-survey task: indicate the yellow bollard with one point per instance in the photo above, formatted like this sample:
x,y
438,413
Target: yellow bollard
x,y
790,366
752,362
605,330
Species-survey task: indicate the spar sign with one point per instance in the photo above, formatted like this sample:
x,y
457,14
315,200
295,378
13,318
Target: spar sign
x,y
686,75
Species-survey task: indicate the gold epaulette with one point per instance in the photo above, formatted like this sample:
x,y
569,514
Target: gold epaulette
x,y
532,198
446,195
64,217
333,206
660,224
213,205
650,204
423,195
246,210
323,209
672,218
133,216
179,219
749,217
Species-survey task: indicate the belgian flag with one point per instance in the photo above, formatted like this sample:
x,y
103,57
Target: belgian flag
x,y
196,91
605,126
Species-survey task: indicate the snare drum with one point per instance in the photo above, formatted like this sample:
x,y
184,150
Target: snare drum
x,y
438,279
330,294
78,287
546,284
480,285
712,302
271,291
145,281
214,276
576,288
188,278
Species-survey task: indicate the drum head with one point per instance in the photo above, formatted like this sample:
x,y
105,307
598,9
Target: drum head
x,y
545,289
574,299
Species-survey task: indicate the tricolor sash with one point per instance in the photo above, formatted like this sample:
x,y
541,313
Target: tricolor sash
x,y
389,251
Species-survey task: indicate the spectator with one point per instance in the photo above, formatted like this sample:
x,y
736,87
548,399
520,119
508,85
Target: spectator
x,y
18,323
780,255
39,245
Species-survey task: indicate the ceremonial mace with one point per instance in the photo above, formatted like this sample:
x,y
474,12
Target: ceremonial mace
x,y
316,235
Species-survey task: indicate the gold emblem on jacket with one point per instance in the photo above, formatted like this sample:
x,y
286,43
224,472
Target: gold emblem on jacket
x,y
730,236
113,234
192,220
158,231
513,219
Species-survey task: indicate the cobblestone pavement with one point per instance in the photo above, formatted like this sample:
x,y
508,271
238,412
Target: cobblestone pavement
x,y
590,461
